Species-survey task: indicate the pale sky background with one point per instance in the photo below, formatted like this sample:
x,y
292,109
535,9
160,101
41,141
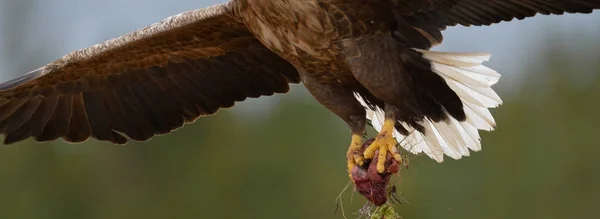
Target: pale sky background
x,y
35,32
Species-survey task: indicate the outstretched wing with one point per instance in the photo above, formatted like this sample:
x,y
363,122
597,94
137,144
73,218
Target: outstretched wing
x,y
442,13
146,83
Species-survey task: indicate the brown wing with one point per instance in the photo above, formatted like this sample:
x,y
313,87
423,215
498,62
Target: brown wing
x,y
145,83
442,13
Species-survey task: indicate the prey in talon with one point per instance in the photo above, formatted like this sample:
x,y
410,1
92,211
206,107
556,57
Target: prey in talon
x,y
369,181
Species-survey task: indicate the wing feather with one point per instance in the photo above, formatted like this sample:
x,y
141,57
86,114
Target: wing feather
x,y
79,127
145,83
35,125
100,122
59,120
441,13
20,116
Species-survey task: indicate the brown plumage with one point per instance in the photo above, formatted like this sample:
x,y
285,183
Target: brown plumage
x,y
156,79
145,83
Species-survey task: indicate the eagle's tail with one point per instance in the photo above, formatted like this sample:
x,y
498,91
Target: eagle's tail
x,y
472,81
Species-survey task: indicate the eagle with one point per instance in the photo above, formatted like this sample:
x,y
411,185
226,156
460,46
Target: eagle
x,y
363,60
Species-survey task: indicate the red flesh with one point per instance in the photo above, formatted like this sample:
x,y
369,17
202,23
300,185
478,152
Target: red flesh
x,y
371,184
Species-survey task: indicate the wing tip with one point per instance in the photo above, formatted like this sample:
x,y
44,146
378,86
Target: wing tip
x,y
22,79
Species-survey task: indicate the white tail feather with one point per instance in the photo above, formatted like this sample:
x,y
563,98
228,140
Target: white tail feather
x,y
472,81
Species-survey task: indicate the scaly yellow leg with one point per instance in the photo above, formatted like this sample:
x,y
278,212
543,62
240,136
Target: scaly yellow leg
x,y
384,142
353,155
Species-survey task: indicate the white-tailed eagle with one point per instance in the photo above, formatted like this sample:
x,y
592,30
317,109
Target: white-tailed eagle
x,y
361,59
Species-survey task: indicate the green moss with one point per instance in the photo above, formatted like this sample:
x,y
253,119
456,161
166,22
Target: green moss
x,y
386,211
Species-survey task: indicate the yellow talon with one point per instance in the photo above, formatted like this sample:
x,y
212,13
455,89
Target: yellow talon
x,y
384,142
353,154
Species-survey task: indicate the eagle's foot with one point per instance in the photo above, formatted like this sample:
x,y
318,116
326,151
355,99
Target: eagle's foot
x,y
384,142
354,155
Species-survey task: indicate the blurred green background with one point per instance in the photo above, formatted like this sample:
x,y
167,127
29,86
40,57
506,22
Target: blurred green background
x,y
289,163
